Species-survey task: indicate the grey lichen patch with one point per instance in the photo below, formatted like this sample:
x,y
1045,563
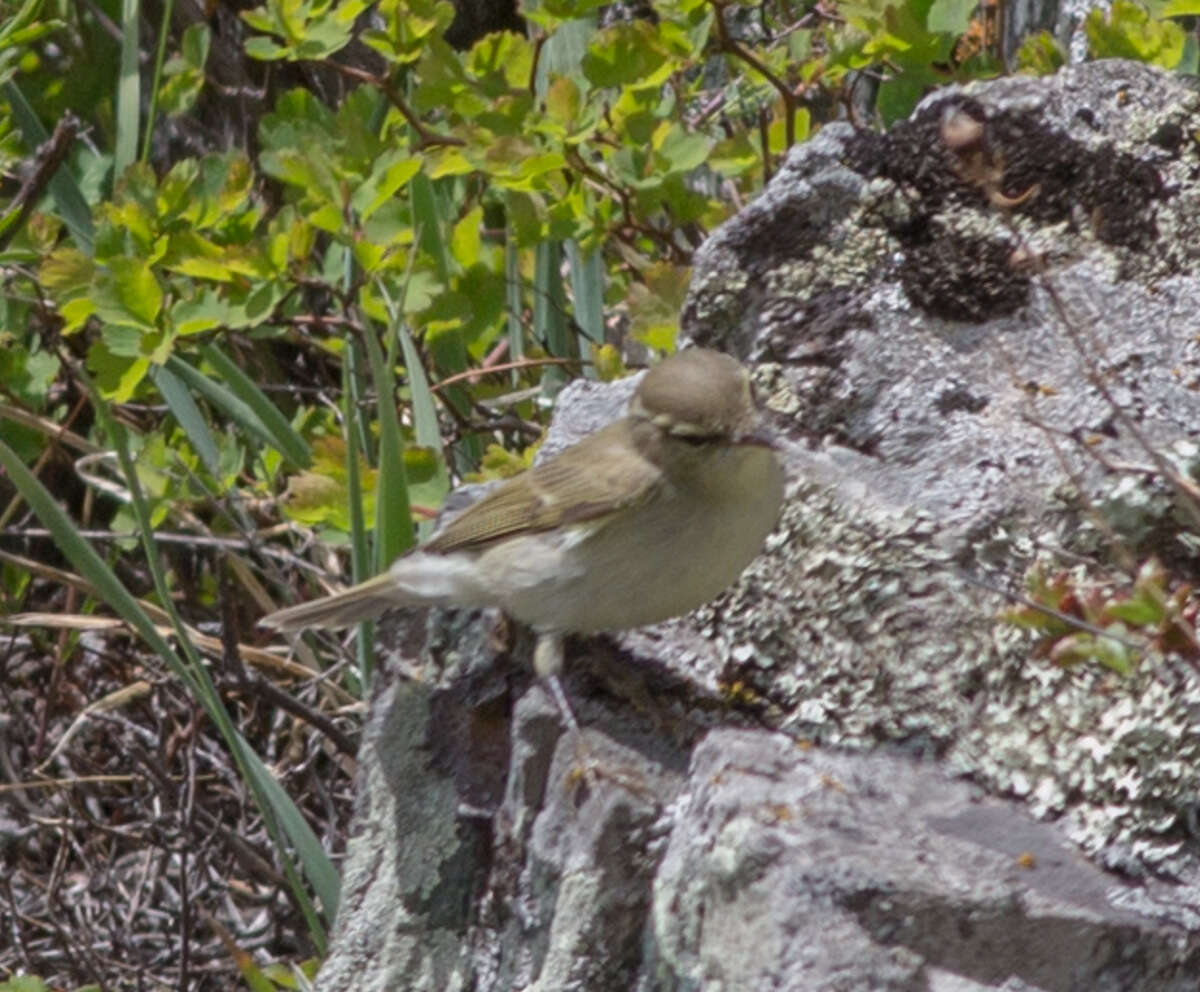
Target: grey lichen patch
x,y
842,619
854,632
854,263
773,390
1118,758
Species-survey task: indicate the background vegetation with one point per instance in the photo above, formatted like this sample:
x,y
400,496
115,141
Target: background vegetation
x,y
275,279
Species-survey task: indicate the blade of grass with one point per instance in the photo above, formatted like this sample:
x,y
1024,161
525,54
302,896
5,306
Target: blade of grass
x,y
587,288
245,403
425,425
128,91
514,300
393,515
273,802
549,313
68,197
190,418
246,389
429,221
360,555
160,53
424,409
276,806
425,419
447,351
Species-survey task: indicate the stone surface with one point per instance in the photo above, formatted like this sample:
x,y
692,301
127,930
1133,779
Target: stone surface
x,y
845,774
814,870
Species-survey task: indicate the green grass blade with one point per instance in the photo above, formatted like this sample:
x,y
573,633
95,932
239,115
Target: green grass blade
x,y
425,419
190,418
514,301
128,91
246,389
160,53
83,557
429,222
276,806
447,350
549,312
319,870
65,191
393,515
245,403
425,424
356,434
587,288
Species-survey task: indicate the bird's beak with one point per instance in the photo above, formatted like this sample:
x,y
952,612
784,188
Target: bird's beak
x,y
761,436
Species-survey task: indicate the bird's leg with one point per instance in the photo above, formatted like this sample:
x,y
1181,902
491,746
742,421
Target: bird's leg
x,y
547,663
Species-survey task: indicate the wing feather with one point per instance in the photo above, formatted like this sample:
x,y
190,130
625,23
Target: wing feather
x,y
584,482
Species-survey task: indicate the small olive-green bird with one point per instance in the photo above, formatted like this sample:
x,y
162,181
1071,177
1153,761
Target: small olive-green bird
x,y
643,520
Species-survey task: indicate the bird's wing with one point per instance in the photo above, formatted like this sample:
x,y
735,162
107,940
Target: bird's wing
x,y
589,480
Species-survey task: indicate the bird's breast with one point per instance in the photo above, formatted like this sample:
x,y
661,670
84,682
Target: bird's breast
x,y
661,558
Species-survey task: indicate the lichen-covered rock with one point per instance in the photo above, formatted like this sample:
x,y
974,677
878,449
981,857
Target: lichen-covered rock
x,y
942,358
820,871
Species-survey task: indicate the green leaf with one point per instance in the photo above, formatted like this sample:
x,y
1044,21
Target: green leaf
x,y
117,376
681,150
1180,8
1040,54
183,77
309,170
563,101
654,305
500,62
308,30
950,16
24,983
734,156
392,171
136,289
466,240
1138,611
1128,31
550,13
627,53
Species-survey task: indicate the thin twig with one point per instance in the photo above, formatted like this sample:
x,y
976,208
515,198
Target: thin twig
x,y
428,138
47,159
473,375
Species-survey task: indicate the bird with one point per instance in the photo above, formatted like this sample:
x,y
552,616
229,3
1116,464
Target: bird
x,y
643,520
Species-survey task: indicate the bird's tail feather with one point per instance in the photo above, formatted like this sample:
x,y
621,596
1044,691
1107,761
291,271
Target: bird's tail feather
x,y
364,601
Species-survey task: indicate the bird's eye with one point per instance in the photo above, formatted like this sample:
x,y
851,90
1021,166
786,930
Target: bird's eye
x,y
695,440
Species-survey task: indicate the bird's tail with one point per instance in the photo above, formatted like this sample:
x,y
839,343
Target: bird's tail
x,y
364,601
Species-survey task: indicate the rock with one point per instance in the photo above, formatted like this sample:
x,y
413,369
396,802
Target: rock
x,y
812,870
845,774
